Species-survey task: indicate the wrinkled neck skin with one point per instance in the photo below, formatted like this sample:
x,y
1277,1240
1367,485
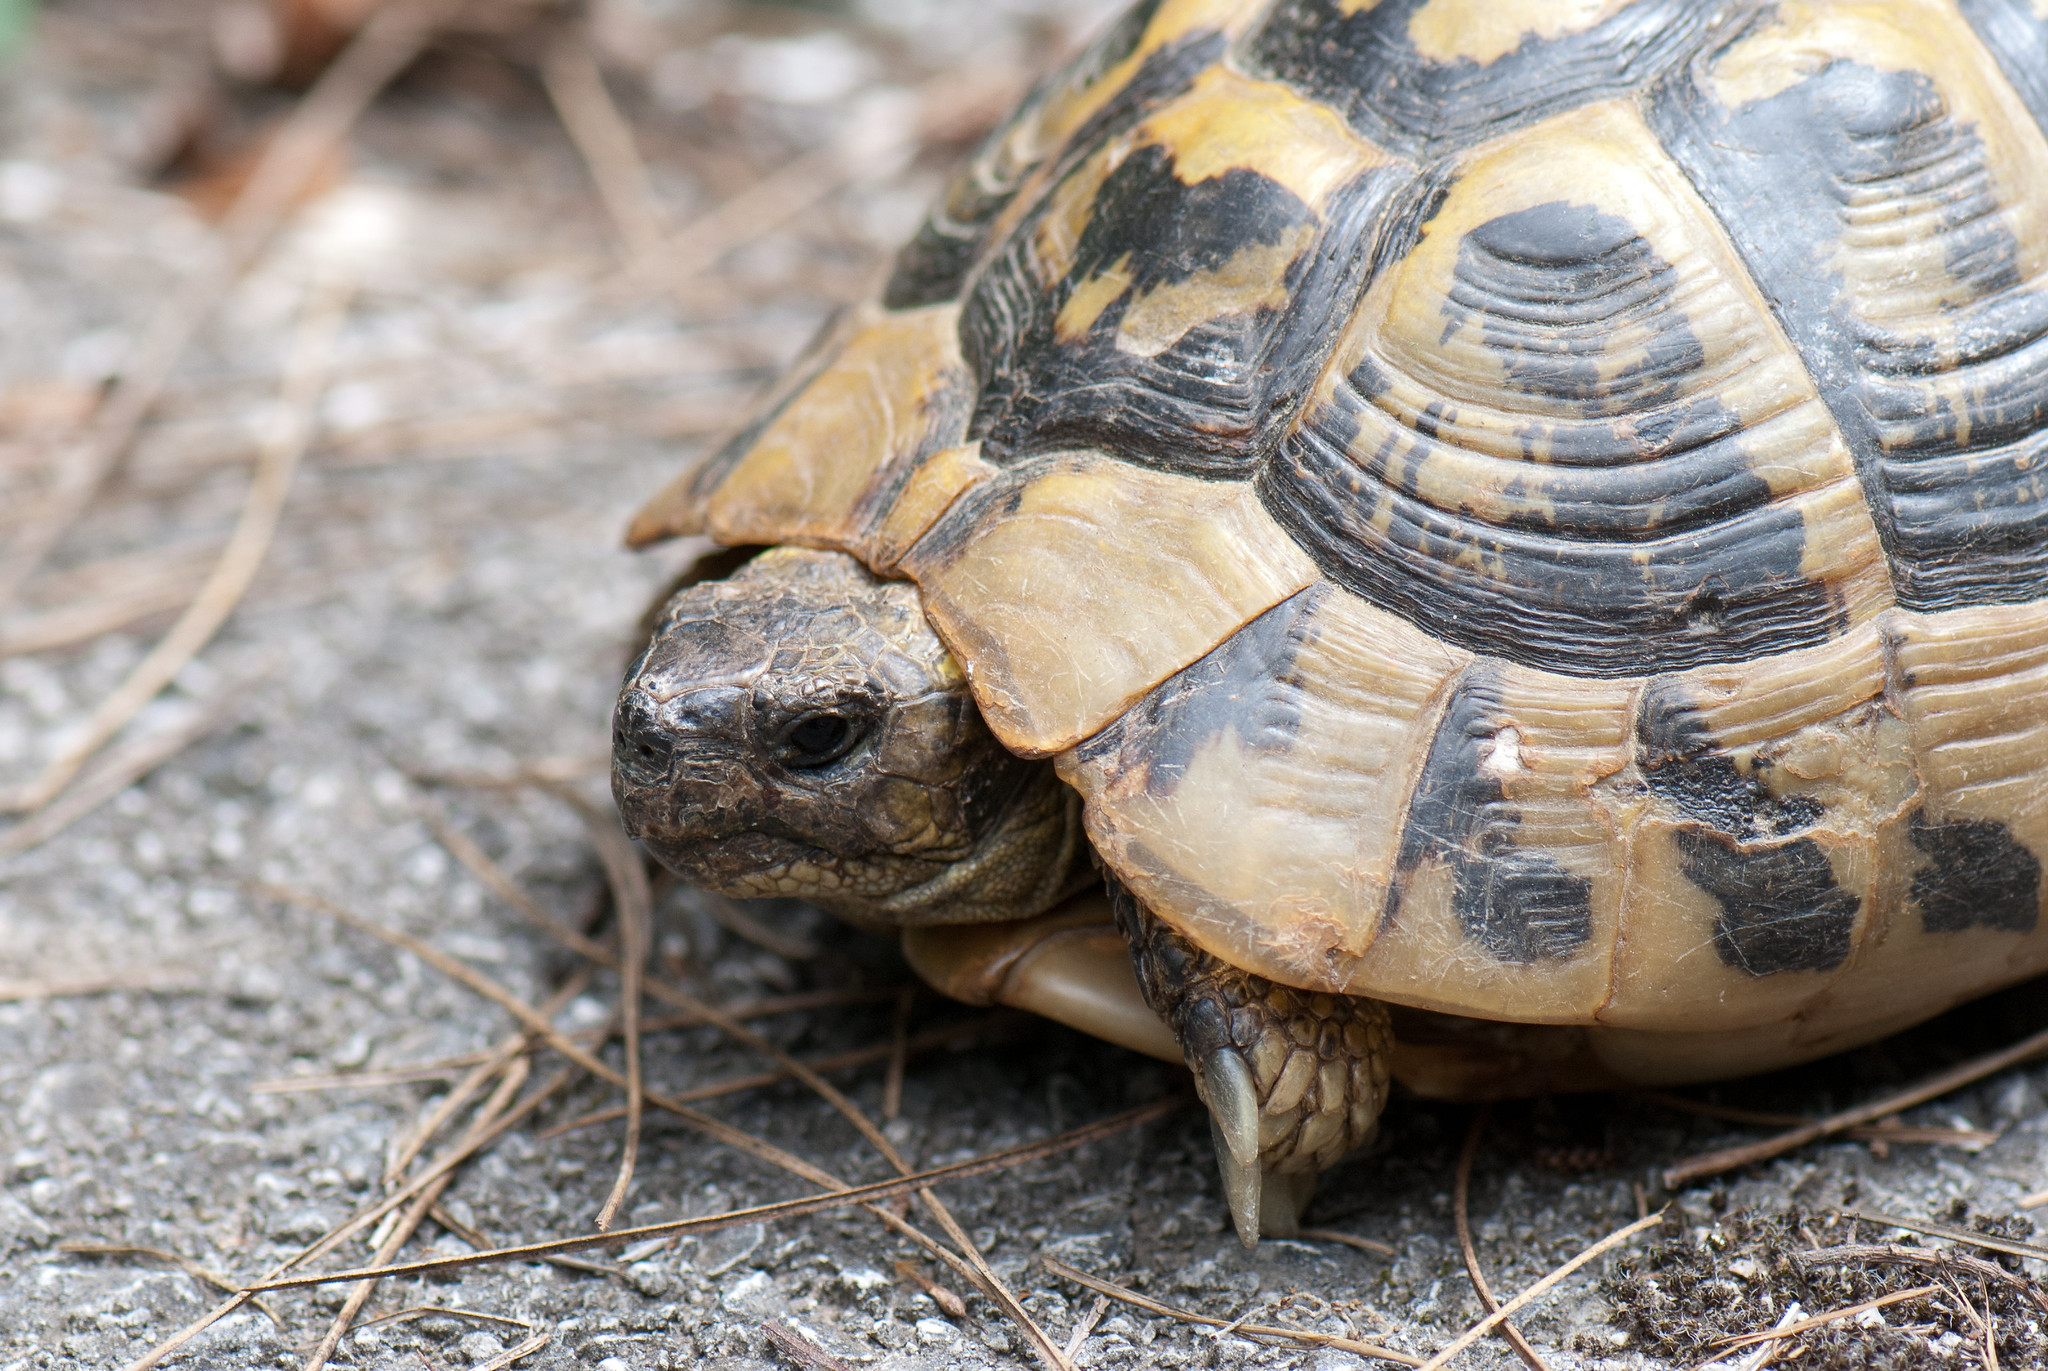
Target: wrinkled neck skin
x,y
799,730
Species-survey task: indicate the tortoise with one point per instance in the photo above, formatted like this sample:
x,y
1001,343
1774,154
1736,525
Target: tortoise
x,y
1494,545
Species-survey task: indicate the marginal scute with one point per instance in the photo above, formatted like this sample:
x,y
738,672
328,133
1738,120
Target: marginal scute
x,y
2016,32
1563,428
926,491
1255,798
1147,56
1427,76
678,509
1885,142
1076,583
1508,877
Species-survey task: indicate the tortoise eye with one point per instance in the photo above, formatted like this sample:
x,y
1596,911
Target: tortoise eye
x,y
817,740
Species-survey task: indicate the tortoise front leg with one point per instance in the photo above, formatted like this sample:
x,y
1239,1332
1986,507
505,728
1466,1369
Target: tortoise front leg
x,y
1293,1079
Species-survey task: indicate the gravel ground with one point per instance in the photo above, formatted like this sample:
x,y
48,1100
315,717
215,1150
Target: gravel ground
x,y
447,595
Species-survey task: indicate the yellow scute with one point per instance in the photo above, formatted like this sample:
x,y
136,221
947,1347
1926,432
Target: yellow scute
x,y
1089,582
1485,31
897,391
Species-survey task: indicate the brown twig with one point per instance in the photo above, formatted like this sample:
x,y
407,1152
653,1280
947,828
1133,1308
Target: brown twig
x,y
733,1085
304,381
156,979
204,1275
605,140
1969,1139
875,1191
494,1108
1990,1242
498,1060
1537,1290
801,1350
303,145
635,906
1895,1254
899,1054
950,1304
479,1241
734,919
1461,1196
116,771
1850,1311
1955,1078
427,1311
1131,1297
159,582
1372,1245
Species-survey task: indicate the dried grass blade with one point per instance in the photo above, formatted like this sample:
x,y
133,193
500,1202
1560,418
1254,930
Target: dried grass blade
x,y
1955,1078
115,772
1131,1297
1537,1290
1372,1245
800,1349
899,1054
1461,1198
838,1061
494,1108
635,904
177,1261
309,135
136,978
605,140
304,381
875,1191
515,1354
1849,1311
499,1060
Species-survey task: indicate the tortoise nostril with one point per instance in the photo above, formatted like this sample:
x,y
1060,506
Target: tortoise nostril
x,y
641,745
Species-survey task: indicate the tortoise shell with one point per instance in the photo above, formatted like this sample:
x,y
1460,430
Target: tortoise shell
x,y
1529,509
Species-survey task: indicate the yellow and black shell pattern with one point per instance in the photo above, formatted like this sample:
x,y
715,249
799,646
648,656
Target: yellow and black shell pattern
x,y
1534,509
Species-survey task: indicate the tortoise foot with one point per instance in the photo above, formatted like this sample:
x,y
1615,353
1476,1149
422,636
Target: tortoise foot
x,y
1293,1079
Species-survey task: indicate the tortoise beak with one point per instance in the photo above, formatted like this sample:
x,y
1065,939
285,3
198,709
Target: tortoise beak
x,y
673,760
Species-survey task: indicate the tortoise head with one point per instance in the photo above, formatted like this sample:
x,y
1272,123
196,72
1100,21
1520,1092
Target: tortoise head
x,y
798,729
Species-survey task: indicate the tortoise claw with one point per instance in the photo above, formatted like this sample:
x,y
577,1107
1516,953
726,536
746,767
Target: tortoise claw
x,y
1262,1203
1243,1187
1233,1098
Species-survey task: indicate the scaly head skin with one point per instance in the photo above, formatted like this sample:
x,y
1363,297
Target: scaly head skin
x,y
799,730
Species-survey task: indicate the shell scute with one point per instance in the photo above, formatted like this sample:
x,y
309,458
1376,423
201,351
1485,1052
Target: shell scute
x,y
1075,583
1885,142
1426,76
1566,431
1165,298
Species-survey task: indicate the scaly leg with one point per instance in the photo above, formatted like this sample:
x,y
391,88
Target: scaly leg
x,y
1293,1079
